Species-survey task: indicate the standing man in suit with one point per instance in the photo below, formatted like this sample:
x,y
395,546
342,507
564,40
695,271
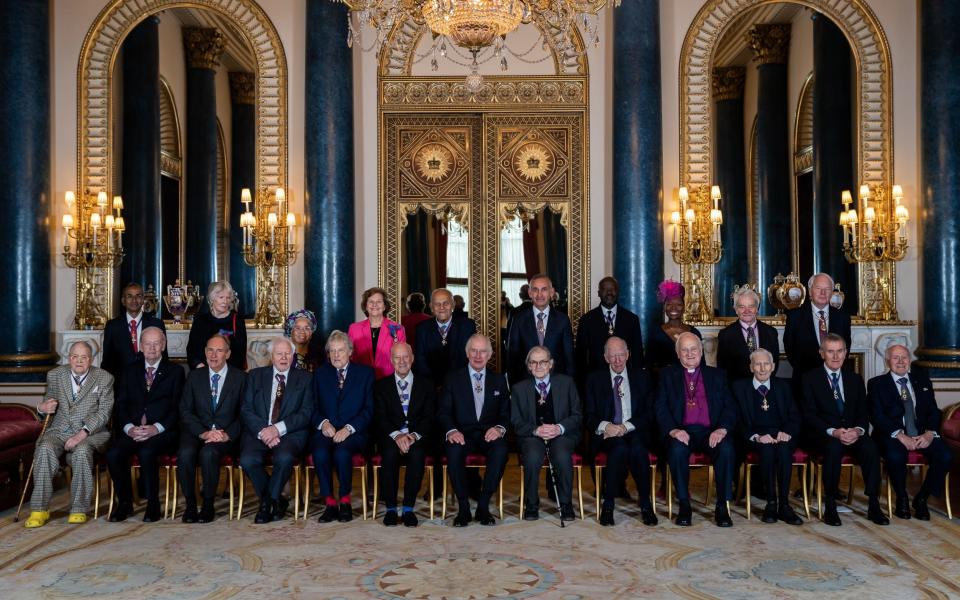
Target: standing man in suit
x,y
808,325
344,392
906,419
404,407
121,335
539,326
148,411
620,416
546,416
603,322
770,424
738,340
836,417
441,340
210,424
277,405
79,398
695,411
474,413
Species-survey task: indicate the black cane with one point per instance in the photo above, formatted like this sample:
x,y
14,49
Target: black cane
x,y
553,477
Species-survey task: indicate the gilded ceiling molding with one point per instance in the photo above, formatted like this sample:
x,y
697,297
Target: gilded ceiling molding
x,y
769,42
202,47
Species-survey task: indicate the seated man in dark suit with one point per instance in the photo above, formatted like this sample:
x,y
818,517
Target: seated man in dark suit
x,y
546,416
539,326
600,324
147,408
836,419
619,415
695,411
770,423
404,407
277,405
344,393
739,339
210,425
906,418
121,335
809,324
474,413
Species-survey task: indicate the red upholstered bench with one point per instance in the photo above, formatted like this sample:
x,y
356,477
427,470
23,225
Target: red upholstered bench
x,y
19,429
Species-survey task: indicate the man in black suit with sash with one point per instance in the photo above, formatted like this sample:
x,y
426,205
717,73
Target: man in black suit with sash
x,y
121,335
276,410
620,417
210,426
836,420
906,419
600,324
474,414
695,411
147,411
737,341
404,407
809,324
770,424
539,325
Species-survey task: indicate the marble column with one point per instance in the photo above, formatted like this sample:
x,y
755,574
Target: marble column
x,y
141,156
833,153
729,169
329,249
202,49
25,346
938,215
243,171
772,206
637,212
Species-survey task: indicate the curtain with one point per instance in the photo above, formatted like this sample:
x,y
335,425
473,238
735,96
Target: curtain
x,y
417,246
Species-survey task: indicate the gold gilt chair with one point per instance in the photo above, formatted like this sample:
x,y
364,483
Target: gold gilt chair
x,y
226,462
917,459
376,460
577,466
473,461
166,461
269,464
697,460
359,464
800,459
600,463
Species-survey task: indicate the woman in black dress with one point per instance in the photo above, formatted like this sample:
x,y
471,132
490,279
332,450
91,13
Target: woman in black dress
x,y
222,318
663,337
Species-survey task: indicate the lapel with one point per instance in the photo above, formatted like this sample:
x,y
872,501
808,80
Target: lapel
x,y
554,388
741,344
228,385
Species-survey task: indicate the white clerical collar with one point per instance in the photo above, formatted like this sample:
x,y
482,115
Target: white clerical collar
x,y
691,371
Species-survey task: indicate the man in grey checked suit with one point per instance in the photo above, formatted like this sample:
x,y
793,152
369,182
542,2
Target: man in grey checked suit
x,y
79,399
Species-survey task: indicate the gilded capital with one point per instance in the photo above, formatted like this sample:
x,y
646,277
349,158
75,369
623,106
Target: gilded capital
x,y
243,87
728,82
770,43
203,47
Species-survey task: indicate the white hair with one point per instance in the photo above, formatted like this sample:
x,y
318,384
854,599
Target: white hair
x,y
815,275
280,340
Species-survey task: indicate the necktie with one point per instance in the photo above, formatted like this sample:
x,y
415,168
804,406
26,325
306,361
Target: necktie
x,y
541,328
341,377
151,372
443,333
404,396
835,383
478,394
278,399
763,392
542,388
909,418
609,322
78,379
617,400
133,337
214,389
751,341
822,326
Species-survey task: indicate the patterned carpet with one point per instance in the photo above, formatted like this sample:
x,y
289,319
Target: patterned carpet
x,y
514,559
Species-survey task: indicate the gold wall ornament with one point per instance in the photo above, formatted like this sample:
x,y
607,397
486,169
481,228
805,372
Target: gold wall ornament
x,y
243,87
727,82
697,245
202,47
770,42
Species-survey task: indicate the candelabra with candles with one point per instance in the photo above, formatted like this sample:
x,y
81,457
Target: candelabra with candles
x,y
93,240
269,234
697,245
875,233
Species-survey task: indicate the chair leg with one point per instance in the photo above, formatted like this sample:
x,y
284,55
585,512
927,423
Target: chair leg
x,y
376,490
176,491
230,483
307,490
806,500
521,491
443,512
597,472
653,487
746,467
363,490
889,495
580,491
112,491
501,498
669,494
296,492
240,485
429,471
96,492
946,496
706,500
818,477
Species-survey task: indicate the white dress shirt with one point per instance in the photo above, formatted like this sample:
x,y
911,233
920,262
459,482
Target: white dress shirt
x,y
843,395
624,402
280,425
396,381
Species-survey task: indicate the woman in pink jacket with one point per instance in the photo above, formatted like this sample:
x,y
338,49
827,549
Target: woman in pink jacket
x,y
374,336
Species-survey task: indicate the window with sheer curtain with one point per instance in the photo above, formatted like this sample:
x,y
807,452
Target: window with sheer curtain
x,y
457,265
513,267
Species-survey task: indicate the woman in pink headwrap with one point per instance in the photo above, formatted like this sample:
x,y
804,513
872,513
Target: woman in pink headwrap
x,y
662,347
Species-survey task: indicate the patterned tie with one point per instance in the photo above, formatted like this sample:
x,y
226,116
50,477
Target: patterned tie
x,y
278,398
151,372
478,394
443,333
133,337
341,377
617,400
404,403
214,389
78,379
541,328
751,341
822,326
610,322
835,384
763,390
909,418
542,387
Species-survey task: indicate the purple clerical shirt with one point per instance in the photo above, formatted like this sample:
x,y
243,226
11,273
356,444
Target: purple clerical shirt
x,y
696,410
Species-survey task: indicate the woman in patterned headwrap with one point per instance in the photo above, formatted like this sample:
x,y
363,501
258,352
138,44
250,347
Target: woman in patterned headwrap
x,y
662,347
299,327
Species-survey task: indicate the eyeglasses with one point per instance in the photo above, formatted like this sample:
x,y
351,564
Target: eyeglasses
x,y
539,363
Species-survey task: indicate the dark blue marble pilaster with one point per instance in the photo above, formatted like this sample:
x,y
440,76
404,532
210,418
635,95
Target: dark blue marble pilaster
x,y
637,213
141,157
939,211
243,138
25,346
329,264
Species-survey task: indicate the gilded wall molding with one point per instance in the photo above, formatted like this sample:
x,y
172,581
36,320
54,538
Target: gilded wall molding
x,y
770,43
243,87
202,47
728,82
497,93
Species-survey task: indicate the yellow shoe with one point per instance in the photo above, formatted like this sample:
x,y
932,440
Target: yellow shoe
x,y
77,518
38,518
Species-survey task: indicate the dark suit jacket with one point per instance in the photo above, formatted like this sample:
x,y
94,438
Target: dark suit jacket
x,y
295,410
456,403
196,407
161,404
593,333
820,410
523,335
600,400
434,360
670,404
353,405
733,355
886,407
781,415
117,352
566,406
388,410
800,339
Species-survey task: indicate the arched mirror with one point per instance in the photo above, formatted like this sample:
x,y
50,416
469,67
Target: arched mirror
x,y
435,252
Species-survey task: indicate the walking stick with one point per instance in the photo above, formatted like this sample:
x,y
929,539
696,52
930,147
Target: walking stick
x,y
553,477
26,484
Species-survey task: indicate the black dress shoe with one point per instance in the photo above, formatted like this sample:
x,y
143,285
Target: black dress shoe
x,y
566,513
264,514
830,516
120,512
875,514
409,519
462,519
152,514
190,513
280,506
684,515
207,513
346,513
331,514
722,516
769,513
902,510
531,514
606,517
485,518
787,515
920,509
648,517
390,519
